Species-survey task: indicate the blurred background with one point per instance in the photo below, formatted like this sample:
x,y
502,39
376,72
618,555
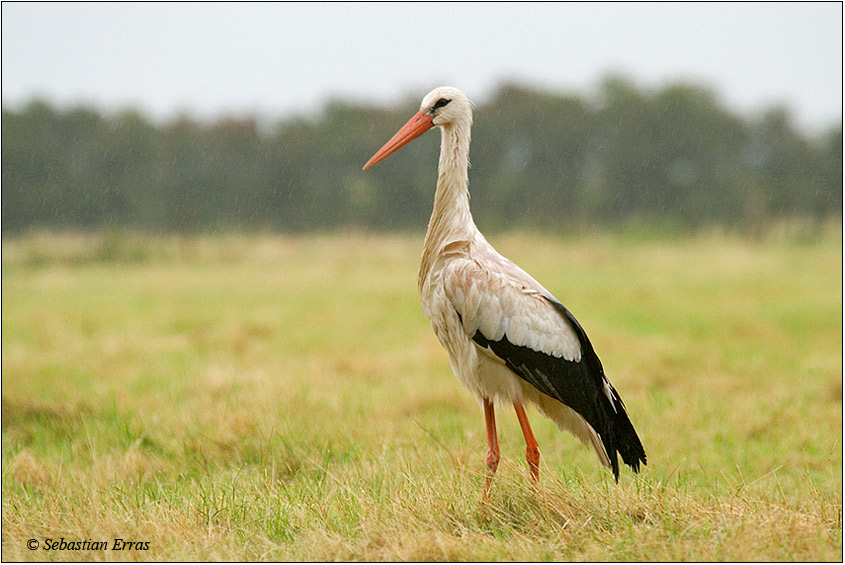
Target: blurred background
x,y
258,117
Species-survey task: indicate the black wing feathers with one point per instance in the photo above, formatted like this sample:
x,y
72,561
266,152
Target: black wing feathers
x,y
579,385
624,437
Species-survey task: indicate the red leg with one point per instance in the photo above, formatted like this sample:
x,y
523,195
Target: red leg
x,y
492,459
532,450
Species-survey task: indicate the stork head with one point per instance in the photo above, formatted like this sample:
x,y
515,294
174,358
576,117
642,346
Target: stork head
x,y
447,105
444,106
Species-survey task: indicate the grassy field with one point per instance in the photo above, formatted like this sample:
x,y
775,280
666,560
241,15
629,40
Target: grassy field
x,y
280,398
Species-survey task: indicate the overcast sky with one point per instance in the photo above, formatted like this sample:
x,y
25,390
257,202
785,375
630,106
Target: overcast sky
x,y
278,59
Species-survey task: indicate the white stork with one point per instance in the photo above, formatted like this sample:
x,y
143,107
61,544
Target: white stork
x,y
509,340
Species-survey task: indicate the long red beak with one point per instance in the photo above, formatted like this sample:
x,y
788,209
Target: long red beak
x,y
416,126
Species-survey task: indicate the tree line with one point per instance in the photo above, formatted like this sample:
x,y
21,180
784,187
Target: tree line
x,y
539,159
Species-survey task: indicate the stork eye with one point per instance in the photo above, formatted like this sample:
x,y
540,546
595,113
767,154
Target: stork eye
x,y
440,103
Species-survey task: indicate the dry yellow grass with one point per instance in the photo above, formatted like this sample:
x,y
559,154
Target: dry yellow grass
x,y
282,398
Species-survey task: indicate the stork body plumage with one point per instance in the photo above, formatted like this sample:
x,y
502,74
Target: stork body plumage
x,y
509,340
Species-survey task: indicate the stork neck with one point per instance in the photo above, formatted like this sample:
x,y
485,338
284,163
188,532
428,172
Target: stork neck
x,y
451,215
451,219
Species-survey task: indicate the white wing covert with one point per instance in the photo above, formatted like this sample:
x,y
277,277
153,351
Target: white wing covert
x,y
510,304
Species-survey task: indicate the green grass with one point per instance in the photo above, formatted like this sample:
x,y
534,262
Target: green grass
x,y
282,398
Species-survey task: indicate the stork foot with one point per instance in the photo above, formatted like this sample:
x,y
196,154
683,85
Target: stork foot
x,y
492,462
532,455
532,450
492,458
